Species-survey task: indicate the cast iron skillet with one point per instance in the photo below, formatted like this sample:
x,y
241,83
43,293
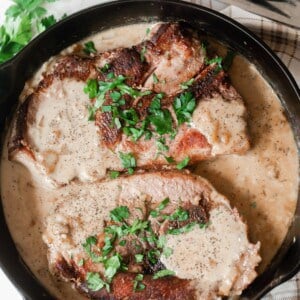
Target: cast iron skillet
x,y
15,72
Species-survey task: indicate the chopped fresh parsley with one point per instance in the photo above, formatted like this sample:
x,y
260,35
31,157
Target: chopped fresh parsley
x,y
184,229
128,161
81,262
161,144
139,258
137,283
167,252
169,159
91,88
137,226
112,265
142,54
204,225
89,47
161,119
216,60
94,282
184,106
163,273
105,68
119,214
155,213
179,215
147,31
155,79
153,255
122,243
183,163
114,174
187,84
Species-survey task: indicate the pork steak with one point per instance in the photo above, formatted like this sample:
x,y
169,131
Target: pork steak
x,y
161,235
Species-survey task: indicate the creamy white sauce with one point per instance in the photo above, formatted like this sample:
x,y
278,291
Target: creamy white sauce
x,y
262,184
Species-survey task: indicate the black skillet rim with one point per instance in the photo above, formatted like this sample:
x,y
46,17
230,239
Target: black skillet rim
x,y
27,285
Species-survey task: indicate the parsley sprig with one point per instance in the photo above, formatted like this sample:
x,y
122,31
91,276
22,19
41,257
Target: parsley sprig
x,y
23,20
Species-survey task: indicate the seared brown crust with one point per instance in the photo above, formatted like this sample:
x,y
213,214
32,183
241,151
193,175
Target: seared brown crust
x,y
129,64
168,34
110,135
17,143
167,288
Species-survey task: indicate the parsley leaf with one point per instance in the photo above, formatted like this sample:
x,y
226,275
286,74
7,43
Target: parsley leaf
x,y
18,29
163,273
47,22
139,258
155,213
162,121
114,174
112,265
183,163
94,282
89,47
119,214
184,106
184,229
155,79
187,84
91,88
137,284
142,54
128,161
216,60
179,215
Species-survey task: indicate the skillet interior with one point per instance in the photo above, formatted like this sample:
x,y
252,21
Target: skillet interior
x,y
14,73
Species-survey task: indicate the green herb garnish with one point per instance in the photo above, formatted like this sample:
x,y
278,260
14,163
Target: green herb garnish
x,y
112,265
184,229
139,258
128,161
184,106
89,47
216,60
183,163
155,213
187,84
119,214
179,215
137,283
81,262
95,283
163,273
142,54
114,174
23,20
155,79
